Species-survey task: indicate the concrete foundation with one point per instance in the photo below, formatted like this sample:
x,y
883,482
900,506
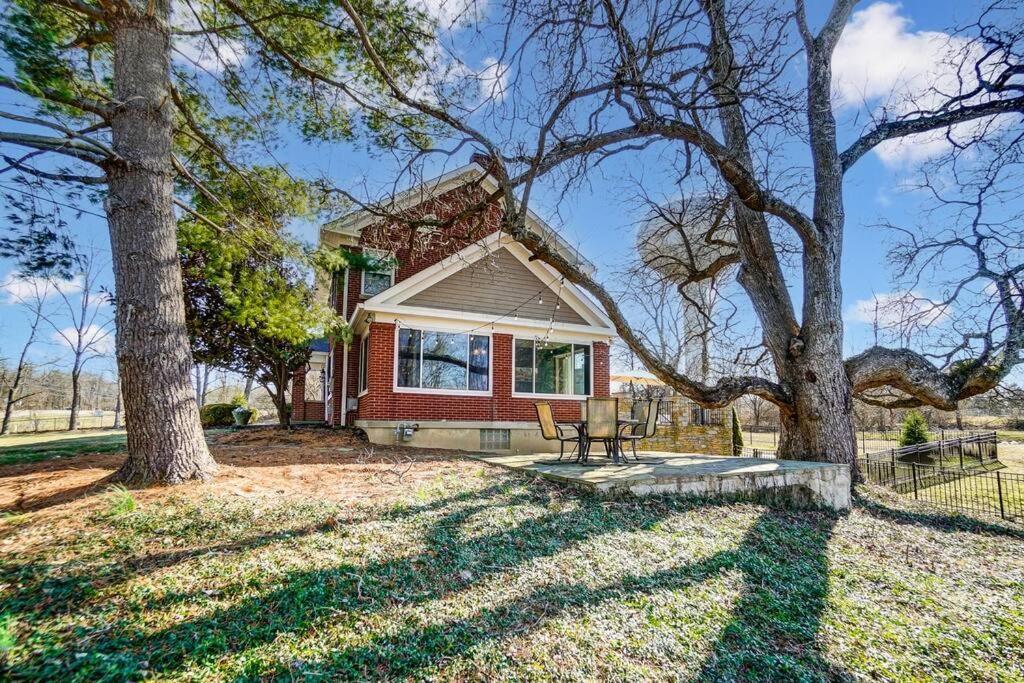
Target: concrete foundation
x,y
791,481
523,437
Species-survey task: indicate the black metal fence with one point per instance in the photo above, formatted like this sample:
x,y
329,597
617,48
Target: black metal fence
x,y
974,491
868,440
764,453
954,474
961,452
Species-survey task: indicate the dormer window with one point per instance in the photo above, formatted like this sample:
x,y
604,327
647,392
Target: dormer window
x,y
376,281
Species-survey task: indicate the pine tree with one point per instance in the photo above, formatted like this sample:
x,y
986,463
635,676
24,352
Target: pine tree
x,y
737,434
914,429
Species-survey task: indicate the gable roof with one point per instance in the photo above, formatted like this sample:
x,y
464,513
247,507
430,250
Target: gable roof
x,y
493,285
352,224
403,296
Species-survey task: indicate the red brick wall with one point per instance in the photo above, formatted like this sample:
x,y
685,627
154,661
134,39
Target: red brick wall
x,y
381,402
416,251
303,410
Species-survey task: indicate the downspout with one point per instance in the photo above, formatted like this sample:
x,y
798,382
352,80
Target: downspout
x,y
344,356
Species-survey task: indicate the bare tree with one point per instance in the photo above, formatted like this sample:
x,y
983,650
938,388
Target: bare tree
x,y
81,324
713,79
32,302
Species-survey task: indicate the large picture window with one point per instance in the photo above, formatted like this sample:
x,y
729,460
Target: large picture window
x,y
443,361
555,368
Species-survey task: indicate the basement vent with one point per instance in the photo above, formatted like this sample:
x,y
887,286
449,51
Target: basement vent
x,y
494,439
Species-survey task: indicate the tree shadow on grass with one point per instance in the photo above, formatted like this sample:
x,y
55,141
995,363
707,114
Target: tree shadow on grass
x,y
772,632
63,589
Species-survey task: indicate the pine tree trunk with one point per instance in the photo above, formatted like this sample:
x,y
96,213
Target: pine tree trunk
x,y
165,439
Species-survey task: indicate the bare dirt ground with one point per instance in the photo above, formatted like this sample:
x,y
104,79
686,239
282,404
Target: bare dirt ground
x,y
335,465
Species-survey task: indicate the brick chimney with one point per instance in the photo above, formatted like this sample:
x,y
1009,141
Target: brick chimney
x,y
484,161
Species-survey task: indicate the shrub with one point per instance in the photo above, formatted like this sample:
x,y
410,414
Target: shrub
x,y
239,401
737,434
914,429
217,415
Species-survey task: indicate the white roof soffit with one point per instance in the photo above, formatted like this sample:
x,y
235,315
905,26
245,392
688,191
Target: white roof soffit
x,y
352,223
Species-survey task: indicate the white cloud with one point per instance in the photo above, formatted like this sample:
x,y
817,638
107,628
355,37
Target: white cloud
x,y
209,53
883,64
18,286
451,14
896,309
95,338
493,80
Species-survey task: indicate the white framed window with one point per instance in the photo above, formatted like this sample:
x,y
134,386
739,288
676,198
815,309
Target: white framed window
x,y
364,363
314,389
551,368
333,296
441,361
375,282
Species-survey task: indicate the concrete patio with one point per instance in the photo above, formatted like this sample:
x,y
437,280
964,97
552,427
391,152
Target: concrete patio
x,y
793,481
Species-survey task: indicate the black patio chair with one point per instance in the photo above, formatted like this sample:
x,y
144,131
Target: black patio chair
x,y
552,430
646,415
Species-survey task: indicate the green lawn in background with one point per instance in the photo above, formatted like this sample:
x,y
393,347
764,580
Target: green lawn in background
x,y
22,448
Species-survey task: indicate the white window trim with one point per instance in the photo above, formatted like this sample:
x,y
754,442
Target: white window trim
x,y
379,253
363,371
554,397
445,392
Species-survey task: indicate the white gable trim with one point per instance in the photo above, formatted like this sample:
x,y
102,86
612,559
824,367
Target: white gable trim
x,y
568,292
457,321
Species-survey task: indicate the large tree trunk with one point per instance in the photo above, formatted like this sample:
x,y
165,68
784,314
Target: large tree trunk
x,y
8,409
76,396
165,439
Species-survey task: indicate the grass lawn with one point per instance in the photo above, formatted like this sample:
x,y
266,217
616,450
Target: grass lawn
x,y
20,448
326,562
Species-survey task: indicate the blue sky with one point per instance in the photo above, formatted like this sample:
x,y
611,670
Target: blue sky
x,y
888,47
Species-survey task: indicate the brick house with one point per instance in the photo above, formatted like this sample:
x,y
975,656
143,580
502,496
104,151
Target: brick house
x,y
455,344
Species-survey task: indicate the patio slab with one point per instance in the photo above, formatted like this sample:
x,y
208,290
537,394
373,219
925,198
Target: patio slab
x,y
796,481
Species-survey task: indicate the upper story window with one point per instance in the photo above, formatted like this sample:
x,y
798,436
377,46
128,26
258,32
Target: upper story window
x,y
552,368
443,361
375,282
334,291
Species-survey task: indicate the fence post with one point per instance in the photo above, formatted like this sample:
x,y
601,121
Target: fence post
x,y
913,472
999,489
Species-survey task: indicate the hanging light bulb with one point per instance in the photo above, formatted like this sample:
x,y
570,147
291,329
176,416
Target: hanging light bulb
x,y
540,300
558,305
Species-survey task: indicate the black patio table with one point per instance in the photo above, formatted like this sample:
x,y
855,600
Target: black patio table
x,y
581,425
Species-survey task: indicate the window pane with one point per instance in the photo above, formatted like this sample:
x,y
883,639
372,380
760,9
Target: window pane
x,y
581,370
364,347
524,366
375,283
409,357
444,360
554,368
479,362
